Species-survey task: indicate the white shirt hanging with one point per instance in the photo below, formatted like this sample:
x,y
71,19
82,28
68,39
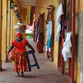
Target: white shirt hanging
x,y
58,20
58,32
49,28
66,51
59,13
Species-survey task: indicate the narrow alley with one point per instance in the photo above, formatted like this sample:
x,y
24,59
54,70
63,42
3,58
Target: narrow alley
x,y
46,74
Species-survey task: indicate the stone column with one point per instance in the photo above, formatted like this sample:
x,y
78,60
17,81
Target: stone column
x,y
8,28
11,26
8,25
4,30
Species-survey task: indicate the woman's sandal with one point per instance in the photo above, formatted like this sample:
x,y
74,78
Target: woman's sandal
x,y
18,74
22,74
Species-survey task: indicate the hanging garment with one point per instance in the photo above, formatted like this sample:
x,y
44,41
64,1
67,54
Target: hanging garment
x,y
49,42
59,13
46,36
48,49
49,29
38,30
58,21
66,51
58,32
49,33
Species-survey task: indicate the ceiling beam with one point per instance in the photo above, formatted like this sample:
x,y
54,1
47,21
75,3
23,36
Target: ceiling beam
x,y
27,0
26,3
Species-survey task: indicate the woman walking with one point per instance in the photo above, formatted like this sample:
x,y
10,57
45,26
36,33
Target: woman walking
x,y
20,54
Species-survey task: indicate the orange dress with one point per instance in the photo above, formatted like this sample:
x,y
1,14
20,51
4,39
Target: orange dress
x,y
20,55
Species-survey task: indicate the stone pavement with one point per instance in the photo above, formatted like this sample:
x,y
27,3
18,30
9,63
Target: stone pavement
x,y
46,74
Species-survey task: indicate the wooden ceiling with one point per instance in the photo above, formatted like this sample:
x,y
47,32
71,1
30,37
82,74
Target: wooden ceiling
x,y
24,3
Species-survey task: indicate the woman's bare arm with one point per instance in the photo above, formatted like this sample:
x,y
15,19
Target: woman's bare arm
x,y
11,47
30,46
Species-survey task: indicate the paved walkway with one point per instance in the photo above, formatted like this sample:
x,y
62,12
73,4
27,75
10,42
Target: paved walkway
x,y
46,74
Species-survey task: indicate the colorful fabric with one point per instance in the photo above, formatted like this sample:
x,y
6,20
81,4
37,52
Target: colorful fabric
x,y
49,29
49,42
31,14
20,46
20,62
38,30
19,35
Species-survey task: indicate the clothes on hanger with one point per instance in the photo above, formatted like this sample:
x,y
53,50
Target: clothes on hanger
x,y
49,42
49,36
59,13
49,29
66,51
58,32
58,21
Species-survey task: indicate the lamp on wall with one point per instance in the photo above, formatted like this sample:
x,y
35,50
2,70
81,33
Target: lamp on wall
x,y
15,8
11,4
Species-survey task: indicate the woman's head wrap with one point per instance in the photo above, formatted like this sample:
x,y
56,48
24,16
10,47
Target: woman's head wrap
x,y
19,35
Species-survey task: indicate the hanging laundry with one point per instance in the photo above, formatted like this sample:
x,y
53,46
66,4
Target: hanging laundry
x,y
58,21
33,18
49,29
59,13
49,34
38,34
49,42
58,32
66,51
31,14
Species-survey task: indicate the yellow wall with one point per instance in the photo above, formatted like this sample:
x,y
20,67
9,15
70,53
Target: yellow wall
x,y
81,4
55,43
77,71
11,26
15,20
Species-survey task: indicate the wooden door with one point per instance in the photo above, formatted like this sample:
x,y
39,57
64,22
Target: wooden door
x,y
41,33
52,18
61,41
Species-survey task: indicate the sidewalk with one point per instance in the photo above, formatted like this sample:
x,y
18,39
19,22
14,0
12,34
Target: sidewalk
x,y
46,74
